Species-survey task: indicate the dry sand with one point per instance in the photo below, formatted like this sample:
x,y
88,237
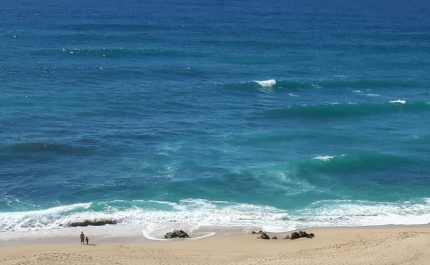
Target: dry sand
x,y
361,245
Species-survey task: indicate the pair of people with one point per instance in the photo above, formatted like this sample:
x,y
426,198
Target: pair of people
x,y
84,238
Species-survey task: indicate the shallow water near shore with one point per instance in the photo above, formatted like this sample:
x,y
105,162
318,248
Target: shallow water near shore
x,y
216,114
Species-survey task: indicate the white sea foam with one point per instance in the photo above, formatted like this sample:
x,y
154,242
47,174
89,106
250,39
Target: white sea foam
x,y
323,158
399,101
202,212
156,231
348,213
267,83
42,219
155,220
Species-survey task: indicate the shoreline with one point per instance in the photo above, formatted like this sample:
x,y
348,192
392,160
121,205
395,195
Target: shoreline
x,y
388,244
118,233
133,233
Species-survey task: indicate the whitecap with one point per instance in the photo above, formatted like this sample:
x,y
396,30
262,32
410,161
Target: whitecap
x,y
323,158
399,101
267,83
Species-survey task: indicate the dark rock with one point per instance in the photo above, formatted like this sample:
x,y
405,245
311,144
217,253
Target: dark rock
x,y
299,234
274,237
96,222
303,234
265,236
176,233
294,235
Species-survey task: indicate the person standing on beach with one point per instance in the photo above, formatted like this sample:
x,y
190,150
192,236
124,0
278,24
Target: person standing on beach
x,y
82,238
86,239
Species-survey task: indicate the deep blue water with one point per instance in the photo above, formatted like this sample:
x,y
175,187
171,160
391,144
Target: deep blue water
x,y
259,113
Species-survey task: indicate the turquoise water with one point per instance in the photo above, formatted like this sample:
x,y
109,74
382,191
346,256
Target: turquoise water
x,y
219,113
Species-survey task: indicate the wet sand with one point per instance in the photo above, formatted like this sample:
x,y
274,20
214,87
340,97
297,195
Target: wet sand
x,y
359,245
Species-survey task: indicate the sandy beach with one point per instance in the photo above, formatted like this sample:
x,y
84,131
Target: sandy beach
x,y
360,245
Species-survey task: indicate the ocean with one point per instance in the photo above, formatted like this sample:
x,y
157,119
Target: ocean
x,y
271,114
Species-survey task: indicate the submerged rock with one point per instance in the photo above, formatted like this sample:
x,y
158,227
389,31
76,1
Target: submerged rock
x,y
96,222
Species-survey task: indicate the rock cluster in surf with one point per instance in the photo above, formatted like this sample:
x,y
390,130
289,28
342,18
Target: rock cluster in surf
x,y
95,222
176,233
294,235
